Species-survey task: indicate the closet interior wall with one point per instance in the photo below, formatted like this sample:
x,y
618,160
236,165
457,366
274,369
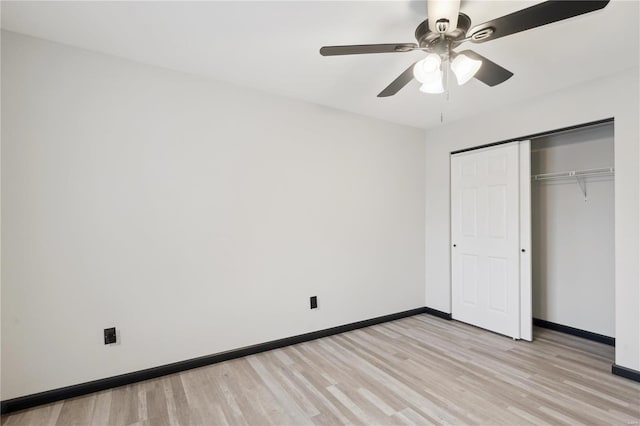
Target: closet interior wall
x,y
573,236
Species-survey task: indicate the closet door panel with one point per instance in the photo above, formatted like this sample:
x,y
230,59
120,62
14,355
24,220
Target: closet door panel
x,y
469,264
469,212
498,287
497,211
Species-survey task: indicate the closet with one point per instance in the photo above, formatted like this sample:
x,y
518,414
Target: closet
x,y
532,234
572,219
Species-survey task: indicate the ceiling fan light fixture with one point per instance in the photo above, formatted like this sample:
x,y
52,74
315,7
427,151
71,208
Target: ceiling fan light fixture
x,y
433,84
428,68
464,68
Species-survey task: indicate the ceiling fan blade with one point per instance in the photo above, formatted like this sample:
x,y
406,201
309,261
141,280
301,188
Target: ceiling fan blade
x,y
489,73
358,49
397,84
534,16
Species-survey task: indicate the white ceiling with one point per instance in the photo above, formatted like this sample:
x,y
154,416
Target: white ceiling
x,y
273,46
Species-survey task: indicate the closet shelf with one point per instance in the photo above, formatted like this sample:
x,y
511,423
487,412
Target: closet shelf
x,y
575,174
578,175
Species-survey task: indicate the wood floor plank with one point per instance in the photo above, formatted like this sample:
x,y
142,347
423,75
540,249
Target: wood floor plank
x,y
417,370
101,409
77,411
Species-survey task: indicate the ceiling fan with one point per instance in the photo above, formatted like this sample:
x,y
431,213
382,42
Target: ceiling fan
x,y
446,29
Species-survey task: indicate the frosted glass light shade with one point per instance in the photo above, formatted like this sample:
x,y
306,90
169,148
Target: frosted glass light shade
x,y
433,83
431,63
465,68
428,68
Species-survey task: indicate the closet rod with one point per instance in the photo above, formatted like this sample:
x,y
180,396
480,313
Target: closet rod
x,y
575,174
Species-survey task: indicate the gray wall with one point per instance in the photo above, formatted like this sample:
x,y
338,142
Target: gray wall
x,y
573,239
195,216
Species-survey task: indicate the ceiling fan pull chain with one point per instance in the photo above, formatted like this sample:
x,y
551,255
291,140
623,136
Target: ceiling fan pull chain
x,y
446,99
447,73
445,65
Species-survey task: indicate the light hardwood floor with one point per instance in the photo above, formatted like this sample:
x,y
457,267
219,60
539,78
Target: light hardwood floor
x,y
418,370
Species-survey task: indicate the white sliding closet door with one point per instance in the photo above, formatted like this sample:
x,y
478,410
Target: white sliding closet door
x,y
485,231
526,291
